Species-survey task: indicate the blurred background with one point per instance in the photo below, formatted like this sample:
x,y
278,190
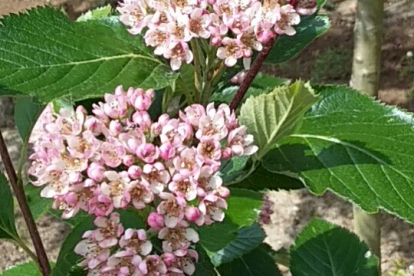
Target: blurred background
x,y
327,60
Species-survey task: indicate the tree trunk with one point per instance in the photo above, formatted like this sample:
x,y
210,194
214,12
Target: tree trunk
x,y
365,77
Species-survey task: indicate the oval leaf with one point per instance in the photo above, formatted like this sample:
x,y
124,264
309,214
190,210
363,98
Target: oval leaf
x,y
25,116
324,249
38,205
287,47
256,263
356,147
7,225
47,56
261,180
248,238
269,117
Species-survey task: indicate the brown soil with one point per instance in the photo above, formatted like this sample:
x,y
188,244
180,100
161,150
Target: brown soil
x,y
292,209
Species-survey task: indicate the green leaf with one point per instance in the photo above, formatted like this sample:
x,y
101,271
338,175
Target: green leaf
x,y
287,47
25,116
98,13
67,258
248,238
243,207
204,267
261,179
324,249
38,205
27,269
233,169
131,219
46,56
255,263
215,237
356,147
7,225
269,117
262,84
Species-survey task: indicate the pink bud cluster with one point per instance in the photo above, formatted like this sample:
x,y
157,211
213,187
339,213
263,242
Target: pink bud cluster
x,y
266,211
119,158
236,27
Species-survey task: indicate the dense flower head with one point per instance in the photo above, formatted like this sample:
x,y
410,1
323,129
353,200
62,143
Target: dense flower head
x,y
119,158
233,27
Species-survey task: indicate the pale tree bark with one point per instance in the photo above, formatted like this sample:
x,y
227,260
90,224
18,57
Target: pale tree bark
x,y
366,68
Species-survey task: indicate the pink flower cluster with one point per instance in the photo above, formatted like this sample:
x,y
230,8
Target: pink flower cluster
x,y
119,158
236,27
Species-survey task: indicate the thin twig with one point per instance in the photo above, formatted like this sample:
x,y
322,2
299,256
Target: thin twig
x,y
251,74
27,215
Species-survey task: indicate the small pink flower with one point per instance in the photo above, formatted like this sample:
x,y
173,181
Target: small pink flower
x,y
177,53
178,239
95,171
289,18
181,265
192,114
188,163
212,127
184,186
83,147
115,188
69,203
172,208
240,142
155,221
157,39
134,172
132,139
112,153
141,99
136,240
211,208
109,230
238,23
68,122
167,151
153,265
231,51
115,106
198,23
92,252
156,176
148,153
133,15
192,213
140,194
306,7
207,182
143,119
123,263
100,205
209,149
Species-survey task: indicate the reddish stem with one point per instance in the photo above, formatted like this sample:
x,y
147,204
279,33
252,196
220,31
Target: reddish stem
x,y
27,215
251,74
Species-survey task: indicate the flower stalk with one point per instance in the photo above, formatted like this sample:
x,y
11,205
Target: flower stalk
x,y
15,183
